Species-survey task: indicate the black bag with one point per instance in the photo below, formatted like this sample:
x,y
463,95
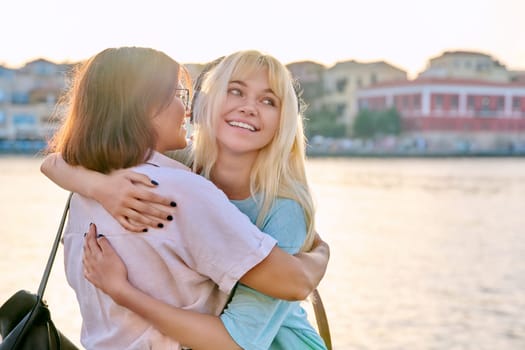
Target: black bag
x,y
25,320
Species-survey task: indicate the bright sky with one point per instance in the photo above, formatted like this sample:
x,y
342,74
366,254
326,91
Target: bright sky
x,y
405,33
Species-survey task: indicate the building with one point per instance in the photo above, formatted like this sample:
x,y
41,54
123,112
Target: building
x,y
466,65
28,98
342,81
309,75
483,112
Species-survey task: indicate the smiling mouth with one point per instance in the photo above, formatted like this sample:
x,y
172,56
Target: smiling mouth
x,y
243,126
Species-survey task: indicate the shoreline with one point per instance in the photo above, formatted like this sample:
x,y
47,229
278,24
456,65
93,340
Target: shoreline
x,y
477,154
38,147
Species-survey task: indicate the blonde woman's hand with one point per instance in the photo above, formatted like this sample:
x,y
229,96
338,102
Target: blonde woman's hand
x,y
127,196
102,265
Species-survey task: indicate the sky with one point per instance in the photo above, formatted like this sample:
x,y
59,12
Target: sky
x,y
404,33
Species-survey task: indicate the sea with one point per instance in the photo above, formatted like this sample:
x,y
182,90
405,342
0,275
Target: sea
x,y
426,253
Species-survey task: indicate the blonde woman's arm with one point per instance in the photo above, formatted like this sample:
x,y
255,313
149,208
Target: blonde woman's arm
x,y
290,277
123,193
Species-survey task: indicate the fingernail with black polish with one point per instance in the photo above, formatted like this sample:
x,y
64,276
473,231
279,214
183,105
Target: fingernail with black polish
x,y
154,182
173,204
145,230
169,218
85,233
100,235
160,225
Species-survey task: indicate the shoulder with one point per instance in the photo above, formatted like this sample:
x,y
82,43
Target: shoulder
x,y
285,207
286,222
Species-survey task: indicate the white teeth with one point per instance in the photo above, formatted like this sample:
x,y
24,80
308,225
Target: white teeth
x,y
242,125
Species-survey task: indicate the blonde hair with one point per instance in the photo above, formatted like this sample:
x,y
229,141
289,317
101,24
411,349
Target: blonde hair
x,y
110,104
279,170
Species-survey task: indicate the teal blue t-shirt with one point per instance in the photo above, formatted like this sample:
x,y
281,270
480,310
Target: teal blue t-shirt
x,y
257,321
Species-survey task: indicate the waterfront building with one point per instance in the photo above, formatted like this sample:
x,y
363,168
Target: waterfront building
x,y
342,82
483,113
466,65
28,98
310,78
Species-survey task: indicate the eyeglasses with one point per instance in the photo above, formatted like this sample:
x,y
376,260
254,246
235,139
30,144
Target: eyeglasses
x,y
184,96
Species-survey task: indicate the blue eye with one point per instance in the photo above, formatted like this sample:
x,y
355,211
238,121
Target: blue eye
x,y
235,92
268,101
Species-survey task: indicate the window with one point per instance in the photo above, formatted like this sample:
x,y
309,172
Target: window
x,y
438,100
340,85
471,102
516,103
340,109
24,119
501,103
20,98
405,102
373,79
454,102
417,102
485,103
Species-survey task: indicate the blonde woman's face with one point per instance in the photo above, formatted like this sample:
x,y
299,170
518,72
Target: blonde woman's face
x,y
250,115
170,125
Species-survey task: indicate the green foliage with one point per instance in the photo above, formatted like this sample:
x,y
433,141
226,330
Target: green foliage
x,y
323,122
364,124
368,124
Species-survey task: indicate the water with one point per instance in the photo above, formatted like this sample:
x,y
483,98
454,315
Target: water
x,y
425,253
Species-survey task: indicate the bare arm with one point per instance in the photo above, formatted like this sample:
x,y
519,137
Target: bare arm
x,y
290,277
123,193
100,261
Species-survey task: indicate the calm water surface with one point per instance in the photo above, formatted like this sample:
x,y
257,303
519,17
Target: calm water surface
x,y
426,254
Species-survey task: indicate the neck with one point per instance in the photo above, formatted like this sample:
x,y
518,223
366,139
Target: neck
x,y
232,175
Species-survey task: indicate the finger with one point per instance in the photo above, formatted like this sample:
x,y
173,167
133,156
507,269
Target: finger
x,y
131,225
86,263
105,246
150,196
160,212
151,222
91,240
91,231
144,221
141,178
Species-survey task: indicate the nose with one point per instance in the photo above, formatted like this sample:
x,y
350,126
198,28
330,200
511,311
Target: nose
x,y
249,108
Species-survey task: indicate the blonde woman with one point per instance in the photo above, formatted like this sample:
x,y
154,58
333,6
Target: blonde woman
x,y
249,142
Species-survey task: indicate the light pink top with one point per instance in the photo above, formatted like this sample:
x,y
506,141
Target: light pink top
x,y
193,262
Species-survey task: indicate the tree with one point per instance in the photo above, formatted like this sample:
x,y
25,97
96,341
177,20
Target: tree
x,y
364,124
388,122
323,122
368,124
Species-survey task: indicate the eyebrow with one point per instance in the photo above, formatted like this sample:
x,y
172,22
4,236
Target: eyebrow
x,y
240,82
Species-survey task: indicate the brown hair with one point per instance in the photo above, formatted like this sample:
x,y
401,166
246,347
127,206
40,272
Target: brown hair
x,y
111,101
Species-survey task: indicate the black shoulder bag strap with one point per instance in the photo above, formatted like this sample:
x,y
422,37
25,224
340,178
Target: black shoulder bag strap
x,y
54,249
26,320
